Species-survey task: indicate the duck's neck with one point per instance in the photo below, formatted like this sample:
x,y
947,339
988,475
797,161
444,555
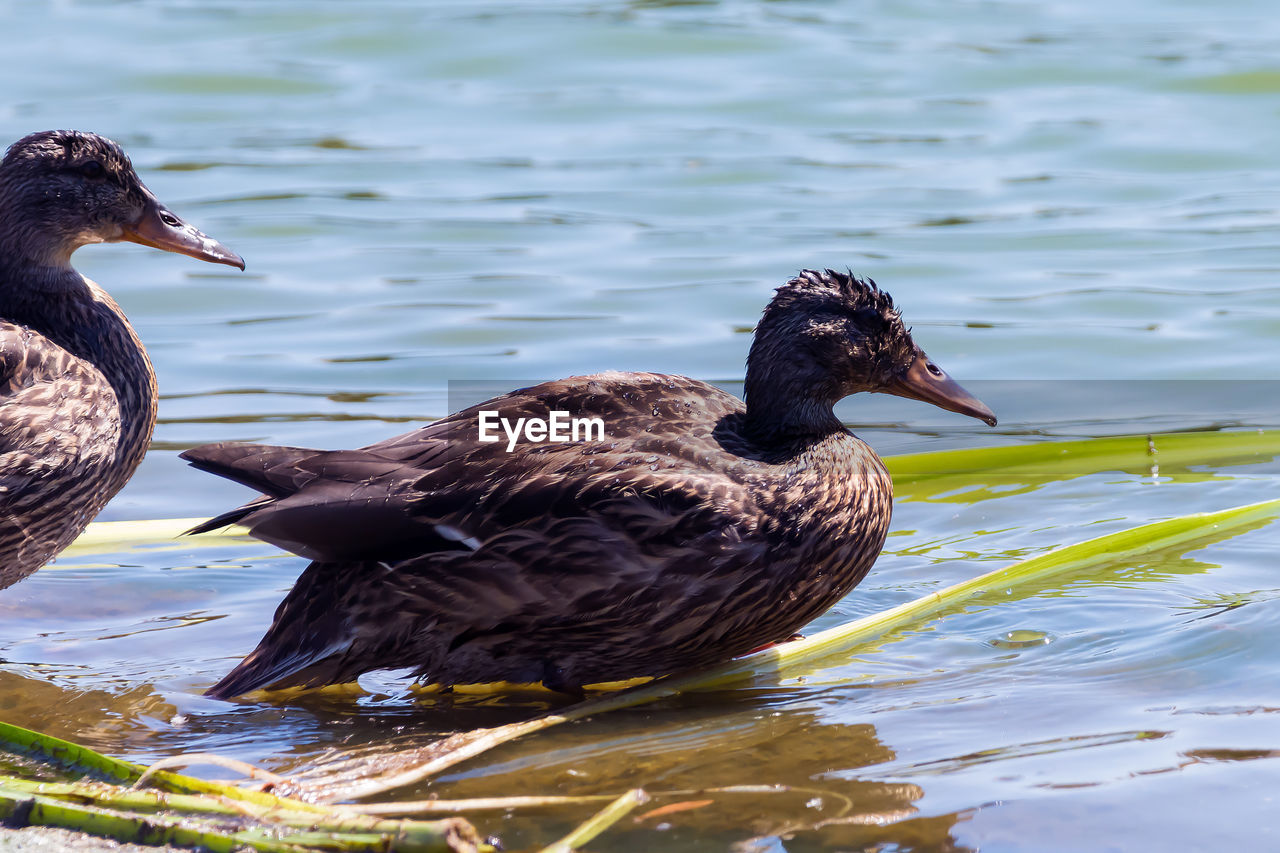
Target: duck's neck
x,y
779,411
78,315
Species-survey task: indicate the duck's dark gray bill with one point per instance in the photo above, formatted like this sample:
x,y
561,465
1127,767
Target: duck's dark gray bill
x,y
161,229
929,383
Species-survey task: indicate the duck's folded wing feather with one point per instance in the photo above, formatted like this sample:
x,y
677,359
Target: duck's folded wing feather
x,y
441,488
57,412
324,505
59,423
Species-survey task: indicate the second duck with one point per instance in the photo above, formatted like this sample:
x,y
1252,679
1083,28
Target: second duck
x,y
698,529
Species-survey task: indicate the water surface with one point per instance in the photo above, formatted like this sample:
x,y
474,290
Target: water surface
x,y
1055,193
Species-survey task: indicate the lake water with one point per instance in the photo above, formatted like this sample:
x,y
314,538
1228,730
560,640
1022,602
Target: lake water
x,y
1057,194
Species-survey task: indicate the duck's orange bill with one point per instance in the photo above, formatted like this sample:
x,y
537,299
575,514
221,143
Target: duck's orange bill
x,y
925,381
160,228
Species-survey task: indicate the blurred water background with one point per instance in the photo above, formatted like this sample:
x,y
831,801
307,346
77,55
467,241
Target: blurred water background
x,y
1056,193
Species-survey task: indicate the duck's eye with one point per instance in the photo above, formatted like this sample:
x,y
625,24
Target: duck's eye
x,y
933,368
92,170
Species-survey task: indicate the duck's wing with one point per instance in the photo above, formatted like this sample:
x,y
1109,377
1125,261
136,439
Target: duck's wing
x,y
442,487
323,505
59,425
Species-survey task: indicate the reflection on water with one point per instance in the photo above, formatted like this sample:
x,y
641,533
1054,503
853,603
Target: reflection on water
x,y
765,739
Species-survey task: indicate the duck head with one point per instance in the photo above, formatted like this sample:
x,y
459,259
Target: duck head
x,y
826,335
61,189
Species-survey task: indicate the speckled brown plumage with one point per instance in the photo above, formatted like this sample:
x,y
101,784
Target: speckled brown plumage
x,y
77,392
699,529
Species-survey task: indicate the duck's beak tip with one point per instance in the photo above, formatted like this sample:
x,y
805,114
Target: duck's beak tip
x,y
160,228
927,382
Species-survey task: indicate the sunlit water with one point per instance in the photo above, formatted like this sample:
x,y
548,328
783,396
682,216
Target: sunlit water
x,y
507,191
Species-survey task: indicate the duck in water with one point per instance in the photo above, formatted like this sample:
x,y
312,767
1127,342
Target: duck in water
x,y
77,392
696,529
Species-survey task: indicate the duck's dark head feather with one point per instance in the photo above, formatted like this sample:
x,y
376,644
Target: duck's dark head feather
x,y
69,188
70,150
825,335
62,189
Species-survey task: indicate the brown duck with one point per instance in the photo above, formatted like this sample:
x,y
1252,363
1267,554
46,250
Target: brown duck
x,y
77,392
698,529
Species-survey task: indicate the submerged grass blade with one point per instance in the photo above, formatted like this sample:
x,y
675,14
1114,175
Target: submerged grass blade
x,y
1184,532
599,822
107,536
477,804
922,476
187,759
1133,452
408,807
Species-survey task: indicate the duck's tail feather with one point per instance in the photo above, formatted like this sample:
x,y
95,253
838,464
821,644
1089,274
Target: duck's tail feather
x,y
270,469
325,505
232,516
311,641
267,668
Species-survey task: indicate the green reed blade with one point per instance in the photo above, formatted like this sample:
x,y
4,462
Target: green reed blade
x,y
599,822
951,475
102,537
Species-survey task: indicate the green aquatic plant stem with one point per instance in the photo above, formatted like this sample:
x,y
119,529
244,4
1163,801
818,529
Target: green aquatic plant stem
x,y
80,759
113,796
599,822
479,804
64,754
1060,458
217,823
35,810
173,812
1139,542
81,808
1122,547
967,476
103,537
